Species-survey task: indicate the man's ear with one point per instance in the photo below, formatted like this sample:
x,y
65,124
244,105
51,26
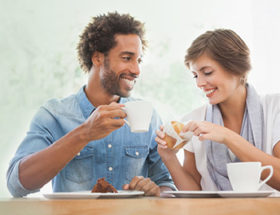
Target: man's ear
x,y
97,58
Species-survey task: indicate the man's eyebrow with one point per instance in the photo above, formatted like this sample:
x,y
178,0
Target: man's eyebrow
x,y
127,52
130,54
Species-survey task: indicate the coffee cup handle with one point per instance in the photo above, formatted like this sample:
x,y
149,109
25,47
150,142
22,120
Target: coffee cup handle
x,y
268,177
126,122
123,108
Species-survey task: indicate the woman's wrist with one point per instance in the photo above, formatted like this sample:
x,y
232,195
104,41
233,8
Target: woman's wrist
x,y
169,157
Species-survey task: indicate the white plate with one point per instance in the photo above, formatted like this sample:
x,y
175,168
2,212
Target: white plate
x,y
234,194
193,194
89,195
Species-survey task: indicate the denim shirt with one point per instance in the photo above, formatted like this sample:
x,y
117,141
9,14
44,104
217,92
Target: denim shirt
x,y
118,157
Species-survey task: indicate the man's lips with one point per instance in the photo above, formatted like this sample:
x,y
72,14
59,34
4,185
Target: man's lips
x,y
129,77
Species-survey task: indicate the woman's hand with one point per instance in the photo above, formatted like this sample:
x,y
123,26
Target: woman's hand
x,y
207,131
164,152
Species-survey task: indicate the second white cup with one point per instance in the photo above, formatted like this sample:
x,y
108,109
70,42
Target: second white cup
x,y
245,176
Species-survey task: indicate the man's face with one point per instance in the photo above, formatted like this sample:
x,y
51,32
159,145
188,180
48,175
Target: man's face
x,y
121,65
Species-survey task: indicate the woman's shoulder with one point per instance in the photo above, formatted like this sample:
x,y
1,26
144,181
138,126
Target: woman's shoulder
x,y
271,100
196,114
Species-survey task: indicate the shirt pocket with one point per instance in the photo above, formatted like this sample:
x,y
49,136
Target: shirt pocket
x,y
135,160
80,169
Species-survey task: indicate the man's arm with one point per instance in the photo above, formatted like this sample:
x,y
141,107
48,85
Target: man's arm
x,y
37,169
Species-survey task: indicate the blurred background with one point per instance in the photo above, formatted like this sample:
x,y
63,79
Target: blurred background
x,y
38,59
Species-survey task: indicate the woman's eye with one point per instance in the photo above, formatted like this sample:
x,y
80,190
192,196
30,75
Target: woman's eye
x,y
208,73
194,76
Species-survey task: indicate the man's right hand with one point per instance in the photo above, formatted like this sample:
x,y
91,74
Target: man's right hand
x,y
104,120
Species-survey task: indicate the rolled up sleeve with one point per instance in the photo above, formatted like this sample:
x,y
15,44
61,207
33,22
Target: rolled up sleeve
x,y
37,139
13,183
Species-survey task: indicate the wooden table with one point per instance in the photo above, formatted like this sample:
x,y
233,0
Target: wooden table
x,y
141,206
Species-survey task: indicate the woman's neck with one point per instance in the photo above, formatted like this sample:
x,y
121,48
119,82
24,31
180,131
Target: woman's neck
x,y
233,109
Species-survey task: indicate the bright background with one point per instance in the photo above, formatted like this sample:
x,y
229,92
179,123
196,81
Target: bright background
x,y
38,53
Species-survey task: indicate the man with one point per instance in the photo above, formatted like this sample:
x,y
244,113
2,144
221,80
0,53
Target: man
x,y
76,140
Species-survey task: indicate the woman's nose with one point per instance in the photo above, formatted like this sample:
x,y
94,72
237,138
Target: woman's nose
x,y
200,81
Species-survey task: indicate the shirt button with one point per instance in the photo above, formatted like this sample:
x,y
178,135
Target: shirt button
x,y
109,146
78,154
137,153
110,168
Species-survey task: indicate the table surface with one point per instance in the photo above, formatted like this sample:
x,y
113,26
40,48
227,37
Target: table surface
x,y
140,206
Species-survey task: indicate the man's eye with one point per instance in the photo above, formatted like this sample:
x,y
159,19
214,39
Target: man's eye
x,y
126,58
140,60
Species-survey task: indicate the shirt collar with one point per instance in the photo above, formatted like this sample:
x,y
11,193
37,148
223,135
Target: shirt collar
x,y
86,106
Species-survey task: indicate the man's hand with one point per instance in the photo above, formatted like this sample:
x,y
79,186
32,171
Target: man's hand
x,y
143,184
104,120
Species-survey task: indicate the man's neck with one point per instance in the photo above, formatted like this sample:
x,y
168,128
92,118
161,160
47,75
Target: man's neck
x,y
98,96
96,93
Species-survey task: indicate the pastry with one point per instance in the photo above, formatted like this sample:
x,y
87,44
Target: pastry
x,y
103,186
172,137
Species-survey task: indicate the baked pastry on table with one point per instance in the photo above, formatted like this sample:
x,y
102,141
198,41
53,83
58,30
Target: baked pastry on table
x,y
103,186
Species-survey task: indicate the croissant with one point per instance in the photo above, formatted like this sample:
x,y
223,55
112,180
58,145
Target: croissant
x,y
171,141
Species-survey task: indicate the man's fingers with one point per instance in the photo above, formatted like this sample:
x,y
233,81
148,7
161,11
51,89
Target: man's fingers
x,y
125,186
134,182
116,113
110,107
143,183
154,191
115,123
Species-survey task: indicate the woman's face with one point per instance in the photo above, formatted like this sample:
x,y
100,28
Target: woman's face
x,y
217,84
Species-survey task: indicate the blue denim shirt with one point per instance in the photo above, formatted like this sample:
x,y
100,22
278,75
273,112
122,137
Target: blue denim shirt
x,y
118,157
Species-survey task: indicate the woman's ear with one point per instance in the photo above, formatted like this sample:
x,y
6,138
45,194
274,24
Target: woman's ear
x,y
97,58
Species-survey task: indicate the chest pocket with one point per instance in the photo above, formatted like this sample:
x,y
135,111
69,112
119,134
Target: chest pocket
x,y
135,161
136,151
80,169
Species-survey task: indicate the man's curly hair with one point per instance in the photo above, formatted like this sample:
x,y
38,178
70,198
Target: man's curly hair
x,y
99,35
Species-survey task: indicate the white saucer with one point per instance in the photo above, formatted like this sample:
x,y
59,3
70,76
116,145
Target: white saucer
x,y
193,194
234,194
89,195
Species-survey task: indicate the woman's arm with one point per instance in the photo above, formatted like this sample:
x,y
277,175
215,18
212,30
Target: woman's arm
x,y
185,177
244,150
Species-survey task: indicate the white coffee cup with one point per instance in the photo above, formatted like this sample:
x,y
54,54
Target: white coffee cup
x,y
139,114
245,176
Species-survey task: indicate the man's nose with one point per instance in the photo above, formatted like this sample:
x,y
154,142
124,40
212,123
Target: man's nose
x,y
135,68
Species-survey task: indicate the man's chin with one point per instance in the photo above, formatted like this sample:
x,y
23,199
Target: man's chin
x,y
125,93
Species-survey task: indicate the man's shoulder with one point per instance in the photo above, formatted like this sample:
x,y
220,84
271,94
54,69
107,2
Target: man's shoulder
x,y
67,105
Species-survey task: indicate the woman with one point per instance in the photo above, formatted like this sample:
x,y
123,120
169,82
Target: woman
x,y
237,125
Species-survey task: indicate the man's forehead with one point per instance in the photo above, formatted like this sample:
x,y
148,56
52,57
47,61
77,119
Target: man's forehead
x,y
128,43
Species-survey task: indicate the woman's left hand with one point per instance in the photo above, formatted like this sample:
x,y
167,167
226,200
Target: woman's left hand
x,y
207,131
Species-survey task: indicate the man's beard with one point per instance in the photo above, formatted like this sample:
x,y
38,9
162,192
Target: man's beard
x,y
111,82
